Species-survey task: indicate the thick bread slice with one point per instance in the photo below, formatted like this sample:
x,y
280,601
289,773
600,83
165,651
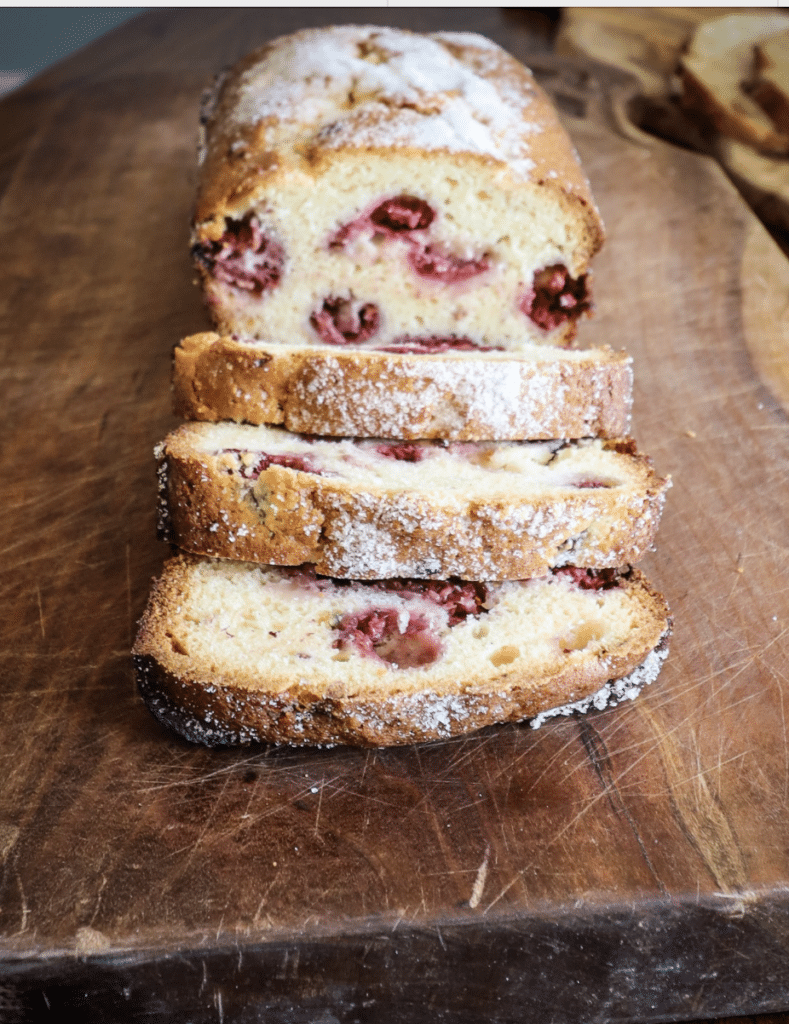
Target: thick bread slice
x,y
538,393
376,509
719,61
236,653
377,185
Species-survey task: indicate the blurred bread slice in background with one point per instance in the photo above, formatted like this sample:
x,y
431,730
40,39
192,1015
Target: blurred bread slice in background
x,y
714,80
716,70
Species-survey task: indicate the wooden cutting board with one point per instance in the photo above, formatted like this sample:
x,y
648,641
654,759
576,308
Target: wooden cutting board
x,y
628,865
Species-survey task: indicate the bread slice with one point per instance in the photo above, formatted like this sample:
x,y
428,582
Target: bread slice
x,y
374,509
237,653
455,395
374,187
719,62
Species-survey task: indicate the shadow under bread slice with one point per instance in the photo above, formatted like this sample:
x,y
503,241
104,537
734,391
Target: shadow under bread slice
x,y
440,390
369,509
237,653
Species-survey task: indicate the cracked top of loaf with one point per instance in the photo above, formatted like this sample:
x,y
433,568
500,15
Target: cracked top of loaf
x,y
371,187
303,99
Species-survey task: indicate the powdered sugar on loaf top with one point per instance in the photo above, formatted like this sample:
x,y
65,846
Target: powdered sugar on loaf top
x,y
369,86
495,394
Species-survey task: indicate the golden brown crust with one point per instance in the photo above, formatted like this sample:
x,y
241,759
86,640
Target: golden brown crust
x,y
367,393
217,713
241,164
226,718
369,531
313,133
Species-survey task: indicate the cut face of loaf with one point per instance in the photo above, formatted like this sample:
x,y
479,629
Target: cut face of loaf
x,y
373,187
536,393
230,652
375,509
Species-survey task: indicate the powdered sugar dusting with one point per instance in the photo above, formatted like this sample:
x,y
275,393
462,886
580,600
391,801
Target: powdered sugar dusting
x,y
616,691
368,86
425,715
536,393
503,399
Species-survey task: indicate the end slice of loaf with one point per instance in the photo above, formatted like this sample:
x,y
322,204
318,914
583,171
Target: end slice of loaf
x,y
237,653
375,186
537,393
375,509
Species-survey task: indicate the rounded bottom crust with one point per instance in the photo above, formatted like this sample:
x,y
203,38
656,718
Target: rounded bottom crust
x,y
217,715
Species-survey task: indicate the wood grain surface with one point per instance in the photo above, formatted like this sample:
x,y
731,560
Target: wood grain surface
x,y
632,865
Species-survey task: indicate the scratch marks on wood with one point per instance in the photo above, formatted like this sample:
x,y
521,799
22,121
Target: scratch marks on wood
x,y
177,778
318,810
782,681
549,764
699,811
40,610
8,837
23,901
479,882
98,898
256,920
102,425
597,752
503,892
289,968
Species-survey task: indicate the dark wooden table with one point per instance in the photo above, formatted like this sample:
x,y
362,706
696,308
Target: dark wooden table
x,y
632,865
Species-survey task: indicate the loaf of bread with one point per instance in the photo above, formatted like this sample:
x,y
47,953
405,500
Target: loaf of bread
x,y
372,187
374,509
538,393
237,653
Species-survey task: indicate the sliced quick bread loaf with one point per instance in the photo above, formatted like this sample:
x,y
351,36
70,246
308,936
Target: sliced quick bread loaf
x,y
371,187
236,653
374,509
456,395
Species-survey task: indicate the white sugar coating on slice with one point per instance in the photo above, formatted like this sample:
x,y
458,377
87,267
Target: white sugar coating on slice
x,y
612,693
236,653
372,509
538,393
492,393
431,100
441,713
